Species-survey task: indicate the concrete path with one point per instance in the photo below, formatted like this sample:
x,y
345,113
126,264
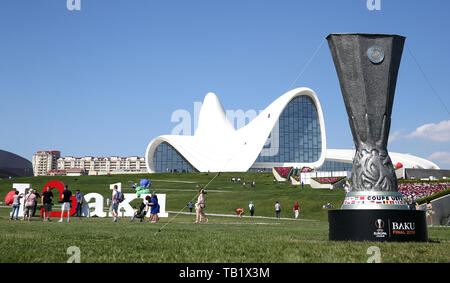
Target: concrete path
x,y
250,217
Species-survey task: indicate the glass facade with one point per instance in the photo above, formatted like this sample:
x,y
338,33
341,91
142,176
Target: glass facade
x,y
335,166
296,136
167,159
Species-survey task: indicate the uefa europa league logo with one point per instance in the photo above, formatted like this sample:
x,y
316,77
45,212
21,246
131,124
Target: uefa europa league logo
x,y
379,224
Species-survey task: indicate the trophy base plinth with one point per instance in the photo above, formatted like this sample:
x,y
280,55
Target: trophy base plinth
x,y
377,225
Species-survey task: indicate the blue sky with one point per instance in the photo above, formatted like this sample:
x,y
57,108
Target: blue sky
x,y
105,80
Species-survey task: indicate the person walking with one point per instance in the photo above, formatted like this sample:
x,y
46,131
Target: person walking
x,y
347,187
38,196
30,202
200,207
251,207
66,203
16,205
191,206
114,208
277,209
412,203
296,210
429,211
79,208
47,203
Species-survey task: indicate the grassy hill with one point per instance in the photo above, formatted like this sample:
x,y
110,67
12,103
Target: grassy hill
x,y
223,239
223,196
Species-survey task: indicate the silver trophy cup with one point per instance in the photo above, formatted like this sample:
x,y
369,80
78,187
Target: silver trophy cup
x,y
367,66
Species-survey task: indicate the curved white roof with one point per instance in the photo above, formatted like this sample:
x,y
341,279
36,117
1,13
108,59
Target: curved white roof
x,y
407,160
217,147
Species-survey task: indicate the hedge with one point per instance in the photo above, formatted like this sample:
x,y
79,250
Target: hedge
x,y
409,181
433,196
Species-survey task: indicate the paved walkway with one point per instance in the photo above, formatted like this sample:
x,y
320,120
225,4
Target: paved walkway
x,y
216,214
251,217
174,181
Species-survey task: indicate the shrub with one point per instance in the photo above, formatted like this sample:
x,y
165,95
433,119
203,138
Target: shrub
x,y
433,196
283,171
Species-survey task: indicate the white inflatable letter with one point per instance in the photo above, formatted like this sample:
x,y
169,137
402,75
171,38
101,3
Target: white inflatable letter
x,y
20,187
97,205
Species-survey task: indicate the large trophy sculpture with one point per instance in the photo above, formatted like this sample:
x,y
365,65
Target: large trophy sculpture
x,y
367,67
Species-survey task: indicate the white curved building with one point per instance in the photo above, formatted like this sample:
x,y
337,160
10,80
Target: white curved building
x,y
289,132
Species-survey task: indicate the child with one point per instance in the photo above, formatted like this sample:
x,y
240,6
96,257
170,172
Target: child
x,y
155,209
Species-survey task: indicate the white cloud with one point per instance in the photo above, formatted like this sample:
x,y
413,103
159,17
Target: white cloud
x,y
441,157
433,132
396,135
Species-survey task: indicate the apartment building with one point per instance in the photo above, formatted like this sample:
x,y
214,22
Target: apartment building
x,y
104,165
45,161
88,165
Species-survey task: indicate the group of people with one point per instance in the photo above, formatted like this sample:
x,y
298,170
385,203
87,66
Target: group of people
x,y
150,204
66,203
32,197
251,208
296,209
31,200
30,203
244,184
421,190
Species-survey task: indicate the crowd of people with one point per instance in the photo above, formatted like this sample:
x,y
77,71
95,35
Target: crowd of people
x,y
150,204
421,190
411,192
32,198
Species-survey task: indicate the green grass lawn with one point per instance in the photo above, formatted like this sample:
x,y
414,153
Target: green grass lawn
x,y
224,239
